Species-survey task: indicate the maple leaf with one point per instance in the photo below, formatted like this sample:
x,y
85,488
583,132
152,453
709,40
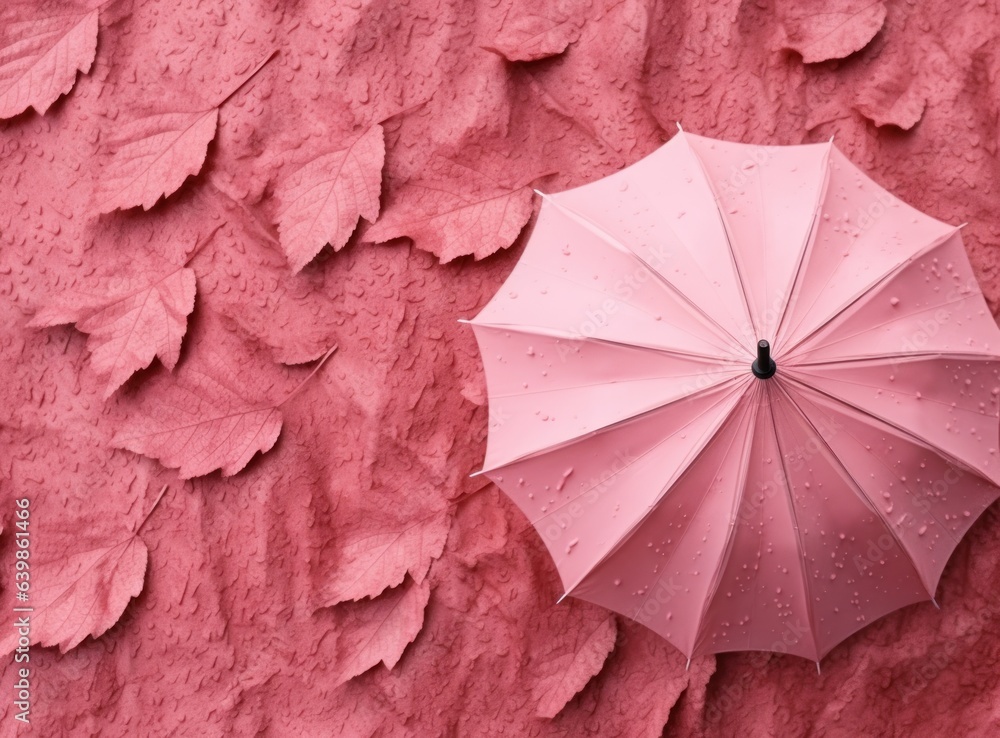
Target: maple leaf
x,y
201,424
573,663
84,592
152,156
128,331
322,201
820,32
375,562
126,334
468,213
40,58
379,630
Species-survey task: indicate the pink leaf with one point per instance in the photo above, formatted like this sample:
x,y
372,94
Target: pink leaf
x,y
322,201
379,630
892,94
530,37
202,423
820,32
127,333
80,581
468,215
153,157
375,562
40,58
570,665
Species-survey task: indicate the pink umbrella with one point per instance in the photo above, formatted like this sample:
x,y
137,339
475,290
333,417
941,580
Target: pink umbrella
x,y
746,396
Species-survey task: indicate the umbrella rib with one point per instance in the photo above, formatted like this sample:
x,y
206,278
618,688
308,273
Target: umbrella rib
x,y
610,427
537,330
860,493
525,393
899,392
589,288
929,445
760,539
877,359
632,529
725,230
809,241
615,243
720,568
867,290
873,326
884,466
813,631
687,530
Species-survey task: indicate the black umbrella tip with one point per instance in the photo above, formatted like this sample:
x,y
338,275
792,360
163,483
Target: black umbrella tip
x,y
763,366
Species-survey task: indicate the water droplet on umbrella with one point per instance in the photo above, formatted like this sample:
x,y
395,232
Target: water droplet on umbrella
x,y
562,481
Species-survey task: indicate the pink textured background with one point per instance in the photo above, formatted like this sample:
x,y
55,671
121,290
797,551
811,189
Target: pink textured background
x,y
241,626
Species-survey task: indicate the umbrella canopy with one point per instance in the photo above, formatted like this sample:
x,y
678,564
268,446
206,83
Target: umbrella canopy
x,y
746,396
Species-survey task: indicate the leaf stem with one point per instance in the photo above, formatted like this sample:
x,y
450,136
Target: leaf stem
x,y
311,375
247,78
158,498
199,245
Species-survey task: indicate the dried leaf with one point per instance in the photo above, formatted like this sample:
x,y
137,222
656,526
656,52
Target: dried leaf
x,y
377,630
821,31
154,155
40,58
322,201
201,423
893,92
376,562
128,332
572,664
84,592
529,37
470,214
